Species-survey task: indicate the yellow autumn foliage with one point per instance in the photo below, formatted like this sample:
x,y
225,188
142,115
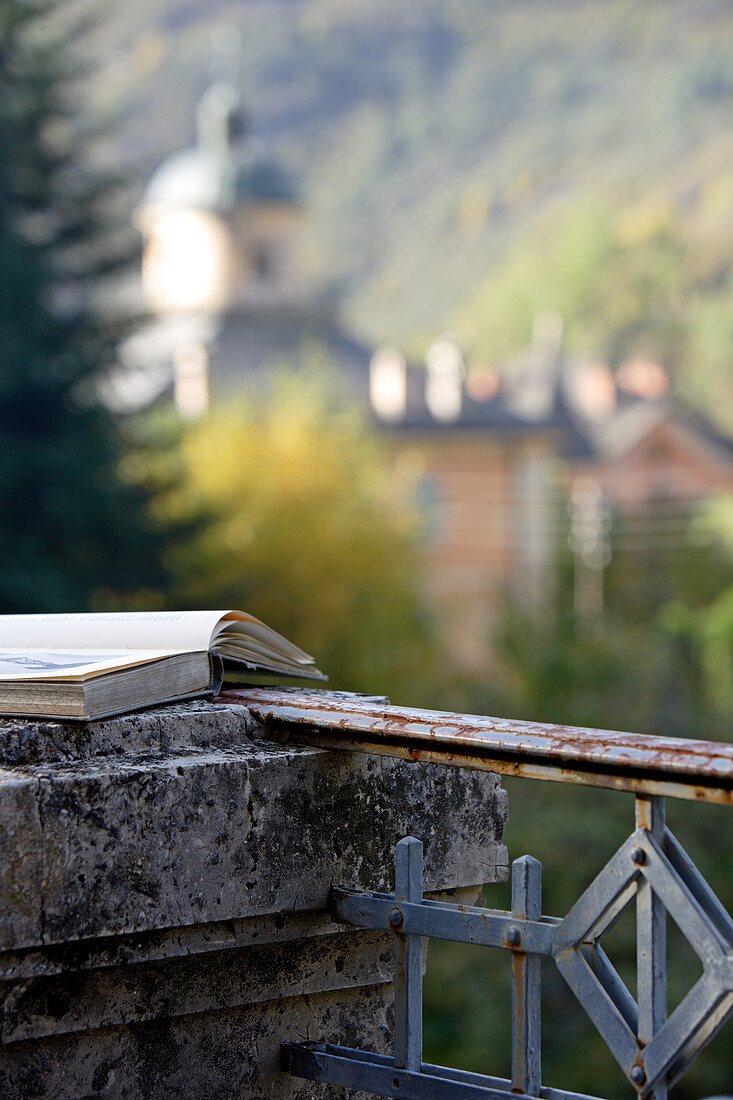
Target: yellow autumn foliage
x,y
308,526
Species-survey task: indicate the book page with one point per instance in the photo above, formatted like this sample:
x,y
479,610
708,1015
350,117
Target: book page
x,y
237,624
172,631
69,664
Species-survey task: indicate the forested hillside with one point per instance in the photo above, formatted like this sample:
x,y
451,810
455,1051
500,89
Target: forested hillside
x,y
435,142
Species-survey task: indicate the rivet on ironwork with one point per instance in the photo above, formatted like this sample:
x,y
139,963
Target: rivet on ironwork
x,y
638,855
395,917
513,935
637,1075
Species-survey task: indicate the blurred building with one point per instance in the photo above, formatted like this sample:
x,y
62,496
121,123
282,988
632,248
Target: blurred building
x,y
655,452
551,453
501,453
487,491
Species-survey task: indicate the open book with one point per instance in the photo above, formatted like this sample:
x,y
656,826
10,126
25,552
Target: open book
x,y
91,666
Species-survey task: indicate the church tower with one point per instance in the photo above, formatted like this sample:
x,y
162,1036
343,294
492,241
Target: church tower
x,y
220,220
221,225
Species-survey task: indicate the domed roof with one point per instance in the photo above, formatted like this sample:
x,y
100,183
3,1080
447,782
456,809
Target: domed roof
x,y
203,178
225,169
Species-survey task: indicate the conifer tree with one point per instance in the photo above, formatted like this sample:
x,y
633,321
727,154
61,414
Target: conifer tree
x,y
70,526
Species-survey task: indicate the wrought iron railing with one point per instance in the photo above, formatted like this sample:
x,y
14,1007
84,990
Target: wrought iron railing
x,y
650,869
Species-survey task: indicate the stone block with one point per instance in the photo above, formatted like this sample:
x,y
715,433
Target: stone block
x,y
165,880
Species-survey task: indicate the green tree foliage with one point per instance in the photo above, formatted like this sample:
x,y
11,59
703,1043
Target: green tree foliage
x,y
617,280
703,621
308,529
70,524
627,280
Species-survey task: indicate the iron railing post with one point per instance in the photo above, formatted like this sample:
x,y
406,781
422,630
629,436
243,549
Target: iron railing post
x,y
526,979
651,941
408,958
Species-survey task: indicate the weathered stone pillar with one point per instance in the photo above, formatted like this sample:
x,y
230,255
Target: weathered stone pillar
x,y
164,878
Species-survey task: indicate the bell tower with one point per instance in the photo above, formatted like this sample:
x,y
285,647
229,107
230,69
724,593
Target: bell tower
x,y
220,220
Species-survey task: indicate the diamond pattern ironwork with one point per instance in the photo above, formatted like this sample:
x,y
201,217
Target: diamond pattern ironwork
x,y
703,921
650,869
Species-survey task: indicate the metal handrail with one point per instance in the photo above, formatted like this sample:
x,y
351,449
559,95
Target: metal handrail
x,y
650,870
698,770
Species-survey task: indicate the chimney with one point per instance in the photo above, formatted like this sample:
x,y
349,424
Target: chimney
x,y
388,384
444,385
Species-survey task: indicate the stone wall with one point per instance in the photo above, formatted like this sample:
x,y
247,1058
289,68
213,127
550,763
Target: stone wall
x,y
165,878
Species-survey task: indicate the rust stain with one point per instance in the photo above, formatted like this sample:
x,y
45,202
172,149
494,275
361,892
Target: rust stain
x,y
697,770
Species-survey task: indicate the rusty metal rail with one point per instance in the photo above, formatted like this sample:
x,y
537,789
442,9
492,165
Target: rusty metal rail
x,y
697,770
650,870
